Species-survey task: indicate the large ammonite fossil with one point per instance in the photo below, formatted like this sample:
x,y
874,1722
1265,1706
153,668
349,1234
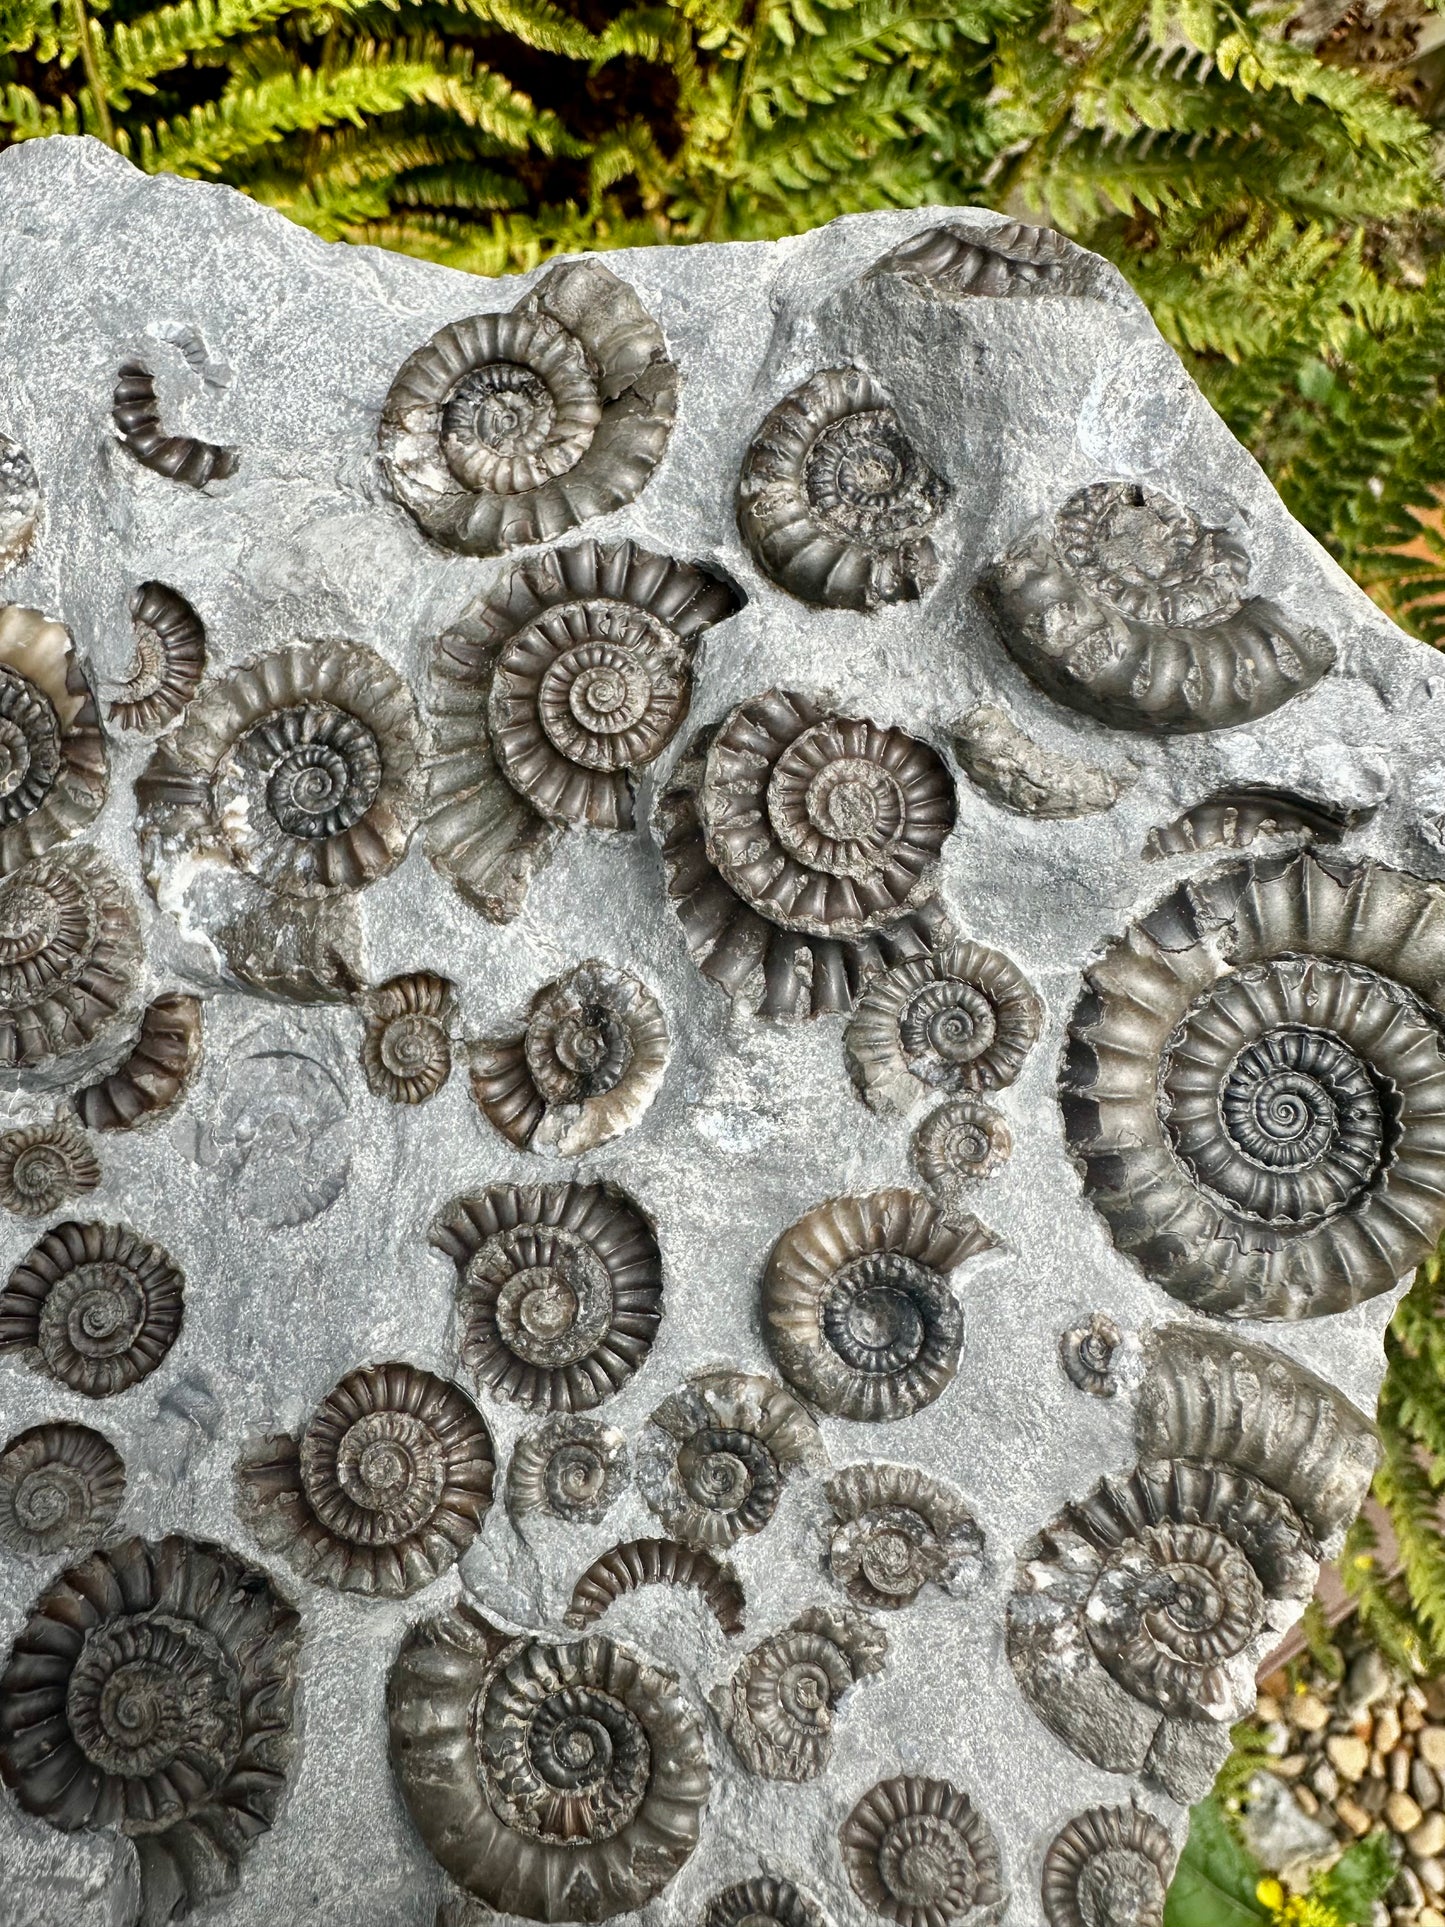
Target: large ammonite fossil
x,y
169,660
384,1490
858,1309
93,1306
70,958
1254,1088
1109,1867
920,1853
555,1781
835,502
150,1692
559,1290
61,1486
716,1455
53,768
1126,606
45,1166
570,1469
778,1708
897,1530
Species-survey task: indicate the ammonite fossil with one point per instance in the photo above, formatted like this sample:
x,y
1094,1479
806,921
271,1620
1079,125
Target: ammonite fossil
x,y
571,1469
156,1074
61,1487
1254,1087
70,956
559,1291
548,698
920,1853
45,1166
1089,1354
586,1068
857,1305
555,1781
136,413
19,503
966,260
150,1692
716,1455
383,1491
835,502
512,428
93,1306
1126,606
898,1530
1234,819
779,1706
957,1145
960,1019
1109,1867
54,773
1021,775
764,1902
168,663
406,1049
657,1562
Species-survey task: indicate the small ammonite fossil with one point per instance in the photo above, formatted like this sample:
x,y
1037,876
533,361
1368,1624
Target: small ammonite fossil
x,y
54,774
897,1530
136,412
168,663
657,1562
61,1487
406,1048
45,1166
93,1306
835,502
919,1852
559,1291
779,1707
556,1781
19,503
1090,1355
70,957
716,1455
764,1902
383,1491
571,1469
512,428
957,1145
858,1309
960,1019
1109,1867
156,1074
966,260
150,1691
586,1068
1236,818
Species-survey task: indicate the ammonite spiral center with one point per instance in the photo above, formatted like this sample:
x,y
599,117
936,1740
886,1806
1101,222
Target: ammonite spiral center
x,y
39,1170
30,746
807,1694
95,1311
31,921
576,1476
842,814
872,1316
45,1498
865,483
579,1051
149,1691
389,1464
1146,556
891,1558
503,410
950,1021
324,770
924,1862
732,1472
613,700
412,1044
554,1313
566,1764
1206,1601
1118,1887
1298,1096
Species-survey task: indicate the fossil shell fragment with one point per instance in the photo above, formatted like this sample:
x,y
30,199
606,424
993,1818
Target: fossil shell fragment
x,y
764,1902
1020,775
383,1491
149,1692
19,503
858,1310
406,1050
1109,1867
1234,819
154,1076
778,1709
657,1562
70,957
919,1852
1124,605
1088,1354
45,1166
93,1306
559,1290
897,1530
54,773
168,663
61,1487
835,502
957,1145
965,260
717,1455
136,413
586,1068
571,1469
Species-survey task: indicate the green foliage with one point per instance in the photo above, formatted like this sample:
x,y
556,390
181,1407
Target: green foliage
x,y
1219,1883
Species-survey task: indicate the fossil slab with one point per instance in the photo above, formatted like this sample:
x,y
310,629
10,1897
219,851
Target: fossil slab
x,y
721,999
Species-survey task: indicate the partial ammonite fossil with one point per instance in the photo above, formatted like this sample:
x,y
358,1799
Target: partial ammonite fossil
x,y
1237,818
858,1308
897,1530
155,1075
1021,775
657,1562
570,1469
1126,606
54,773
716,1455
61,1487
549,698
93,1306
406,1048
559,1291
779,1707
1109,1867
150,1692
967,260
70,958
45,1166
834,501
19,503
561,1782
136,412
1089,1355
764,1902
919,1852
585,1069
1254,1087
383,1491
168,662
957,1145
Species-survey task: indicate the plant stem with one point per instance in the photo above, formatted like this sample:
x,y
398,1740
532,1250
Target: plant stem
x,y
92,74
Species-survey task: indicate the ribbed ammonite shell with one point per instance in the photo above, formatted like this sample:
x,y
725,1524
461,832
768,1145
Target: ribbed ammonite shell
x,y
45,1166
896,1531
857,1305
136,412
149,1692
92,1305
1089,1353
560,1782
383,1491
153,1078
406,1049
778,1709
570,1469
19,503
54,773
61,1487
70,957
957,1145
919,1852
834,501
657,1562
716,1456
169,660
559,1290
968,261
764,1902
1109,1867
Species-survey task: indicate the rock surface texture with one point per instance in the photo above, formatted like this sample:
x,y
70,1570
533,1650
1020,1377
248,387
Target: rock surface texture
x,y
721,986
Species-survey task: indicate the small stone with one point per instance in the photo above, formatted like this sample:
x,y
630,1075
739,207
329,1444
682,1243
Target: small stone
x,y
1427,1840
1411,1718
1325,1781
1372,1795
1349,1755
1267,1709
1429,1917
1306,1801
1424,1784
1307,1714
1290,1767
1387,1729
1433,1695
1397,1769
1432,1874
1368,1681
1276,1684
1407,1891
1354,1817
1430,1746
1402,1813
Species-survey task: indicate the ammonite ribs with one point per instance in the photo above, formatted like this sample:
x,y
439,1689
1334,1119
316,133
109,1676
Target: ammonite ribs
x,y
657,1562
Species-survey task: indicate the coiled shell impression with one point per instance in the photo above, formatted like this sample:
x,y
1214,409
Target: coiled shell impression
x,y
657,1562
920,1853
61,1487
778,1709
54,773
93,1306
169,660
45,1166
136,412
1127,607
569,1469
959,1144
896,1531
858,1310
966,260
1109,1867
149,1693
717,1454
406,1049
155,1076
383,1491
19,503
834,501
1089,1354
764,1902
70,957
560,1782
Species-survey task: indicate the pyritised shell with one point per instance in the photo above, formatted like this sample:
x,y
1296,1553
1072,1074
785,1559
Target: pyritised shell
x,y
1109,1867
61,1487
918,1852
70,957
168,663
1018,774
1234,819
93,1306
570,1469
716,1455
19,503
957,1145
54,772
1088,1354
969,260
778,1708
136,413
765,1902
155,1076
657,1562
896,1531
406,1049
45,1166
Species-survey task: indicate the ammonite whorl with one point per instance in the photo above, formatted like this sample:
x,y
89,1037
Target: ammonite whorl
x,y
136,412
957,1145
92,1305
54,772
149,1693
406,1049
834,501
561,1782
61,1486
45,1166
70,957
657,1562
778,1709
569,1468
559,1290
1238,817
896,1531
968,260
716,1455
168,663
857,1305
1109,1867
383,1491
155,1075
764,1902
1089,1354
920,1853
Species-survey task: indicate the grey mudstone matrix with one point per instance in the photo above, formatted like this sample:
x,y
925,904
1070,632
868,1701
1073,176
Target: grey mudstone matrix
x,y
721,986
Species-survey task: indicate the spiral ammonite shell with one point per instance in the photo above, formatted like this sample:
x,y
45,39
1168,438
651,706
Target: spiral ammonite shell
x,y
570,1469
406,1050
716,1456
896,1531
778,1709
764,1902
920,1853
54,772
559,1291
93,1306
169,659
1089,1353
1109,1867
383,1491
19,503
154,1077
857,1306
136,413
46,1166
61,1486
957,1145
70,957
657,1562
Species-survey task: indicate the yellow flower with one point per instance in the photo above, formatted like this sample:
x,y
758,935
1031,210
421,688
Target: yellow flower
x,y
1269,1893
1298,1910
